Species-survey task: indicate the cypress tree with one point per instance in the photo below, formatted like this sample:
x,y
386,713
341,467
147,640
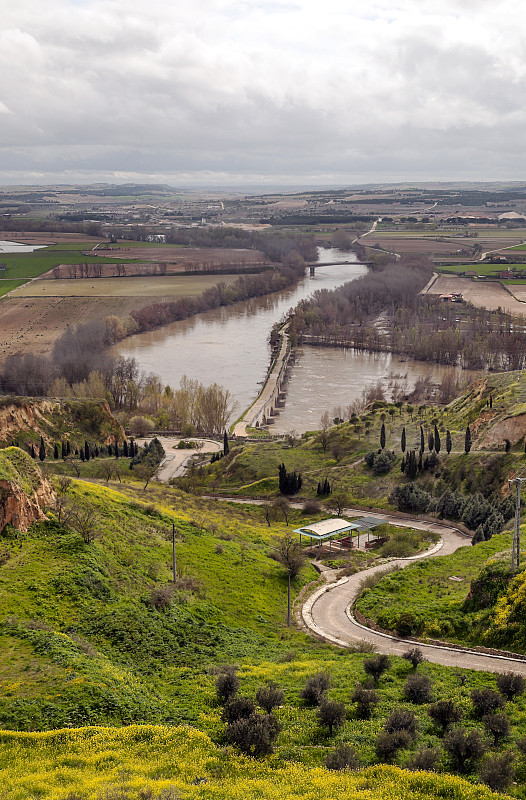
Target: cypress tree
x,y
32,451
125,449
86,451
318,490
402,464
225,444
420,465
491,401
403,440
422,445
55,452
110,450
133,451
449,443
430,442
467,440
68,448
382,436
117,450
63,450
82,454
42,450
97,452
410,466
437,440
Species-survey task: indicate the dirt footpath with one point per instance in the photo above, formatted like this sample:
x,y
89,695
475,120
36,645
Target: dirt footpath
x,y
175,461
485,294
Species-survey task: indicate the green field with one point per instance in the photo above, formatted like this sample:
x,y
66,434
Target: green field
x,y
8,286
21,266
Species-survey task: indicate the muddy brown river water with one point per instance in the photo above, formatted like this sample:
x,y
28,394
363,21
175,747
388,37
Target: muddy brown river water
x,y
229,346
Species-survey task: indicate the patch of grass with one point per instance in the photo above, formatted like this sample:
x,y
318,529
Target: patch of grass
x,y
8,286
430,592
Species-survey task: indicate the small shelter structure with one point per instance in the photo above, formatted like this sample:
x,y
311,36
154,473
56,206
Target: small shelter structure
x,y
339,529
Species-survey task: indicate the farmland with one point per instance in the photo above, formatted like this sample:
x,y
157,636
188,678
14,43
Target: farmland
x,y
151,286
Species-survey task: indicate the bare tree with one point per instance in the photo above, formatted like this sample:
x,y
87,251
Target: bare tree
x,y
289,554
146,471
323,435
84,521
282,506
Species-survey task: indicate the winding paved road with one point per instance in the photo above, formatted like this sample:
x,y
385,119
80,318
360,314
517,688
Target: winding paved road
x,y
327,612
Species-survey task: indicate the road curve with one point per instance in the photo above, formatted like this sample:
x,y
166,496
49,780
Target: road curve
x,y
327,613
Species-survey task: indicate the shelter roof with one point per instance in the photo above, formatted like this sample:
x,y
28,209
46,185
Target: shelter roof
x,y
327,528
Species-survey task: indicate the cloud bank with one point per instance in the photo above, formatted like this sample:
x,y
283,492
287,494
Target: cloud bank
x,y
233,91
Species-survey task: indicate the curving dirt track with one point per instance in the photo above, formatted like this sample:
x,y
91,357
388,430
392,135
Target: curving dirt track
x,y
327,614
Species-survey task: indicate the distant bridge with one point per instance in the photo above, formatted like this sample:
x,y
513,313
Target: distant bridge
x,y
312,266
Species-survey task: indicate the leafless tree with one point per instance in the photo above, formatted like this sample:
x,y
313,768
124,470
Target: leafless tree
x,y
290,555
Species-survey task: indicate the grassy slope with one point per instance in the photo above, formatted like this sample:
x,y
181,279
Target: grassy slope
x,y
427,592
91,762
81,644
86,608
252,469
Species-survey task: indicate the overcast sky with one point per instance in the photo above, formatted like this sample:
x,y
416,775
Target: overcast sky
x,y
226,92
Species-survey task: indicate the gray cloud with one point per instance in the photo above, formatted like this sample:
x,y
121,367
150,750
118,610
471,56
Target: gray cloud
x,y
232,91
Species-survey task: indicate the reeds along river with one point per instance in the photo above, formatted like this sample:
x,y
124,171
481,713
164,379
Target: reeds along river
x,y
230,346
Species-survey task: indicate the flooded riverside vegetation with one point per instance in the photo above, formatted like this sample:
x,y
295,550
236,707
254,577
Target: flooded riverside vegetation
x,y
229,346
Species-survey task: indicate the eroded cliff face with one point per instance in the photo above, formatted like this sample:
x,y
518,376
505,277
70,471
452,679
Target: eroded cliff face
x,y
56,421
24,492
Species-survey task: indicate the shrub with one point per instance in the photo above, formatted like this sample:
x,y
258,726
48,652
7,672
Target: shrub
x,y
365,700
331,714
498,771
270,696
227,685
401,719
464,748
510,684
415,656
485,701
342,757
254,735
405,624
409,497
315,689
492,581
237,708
498,725
444,713
380,463
417,688
376,666
424,759
161,597
388,744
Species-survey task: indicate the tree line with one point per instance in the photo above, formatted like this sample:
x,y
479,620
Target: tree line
x,y
80,367
384,310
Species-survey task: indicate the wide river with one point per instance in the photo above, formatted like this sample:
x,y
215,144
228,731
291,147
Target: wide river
x,y
229,346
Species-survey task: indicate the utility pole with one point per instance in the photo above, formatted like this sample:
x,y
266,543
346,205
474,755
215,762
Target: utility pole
x,y
174,564
516,544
